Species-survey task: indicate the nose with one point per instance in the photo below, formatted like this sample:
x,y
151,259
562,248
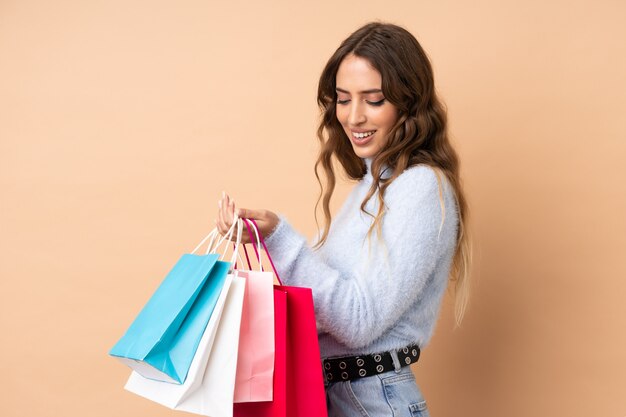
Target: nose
x,y
357,114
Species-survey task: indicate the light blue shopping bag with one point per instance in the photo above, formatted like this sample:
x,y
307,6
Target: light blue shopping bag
x,y
162,340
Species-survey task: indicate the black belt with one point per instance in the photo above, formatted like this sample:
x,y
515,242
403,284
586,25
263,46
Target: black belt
x,y
354,367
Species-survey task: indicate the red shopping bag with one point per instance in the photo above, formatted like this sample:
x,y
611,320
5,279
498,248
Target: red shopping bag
x,y
298,379
305,384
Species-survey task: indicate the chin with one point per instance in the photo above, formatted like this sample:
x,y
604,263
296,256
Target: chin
x,y
364,153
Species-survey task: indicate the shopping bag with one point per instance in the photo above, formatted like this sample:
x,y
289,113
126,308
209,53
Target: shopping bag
x,y
255,359
171,395
305,384
298,381
209,387
278,406
162,340
213,395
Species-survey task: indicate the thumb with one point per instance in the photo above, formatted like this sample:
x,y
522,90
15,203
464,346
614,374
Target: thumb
x,y
250,214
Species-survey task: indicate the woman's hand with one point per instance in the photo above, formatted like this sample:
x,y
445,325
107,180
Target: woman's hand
x,y
266,220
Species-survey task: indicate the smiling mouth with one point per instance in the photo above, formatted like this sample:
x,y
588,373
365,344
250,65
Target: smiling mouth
x,y
363,135
363,139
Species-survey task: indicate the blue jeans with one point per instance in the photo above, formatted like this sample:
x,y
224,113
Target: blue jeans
x,y
393,393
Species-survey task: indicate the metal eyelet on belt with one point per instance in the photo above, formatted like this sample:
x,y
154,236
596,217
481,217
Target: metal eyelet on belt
x,y
342,365
362,372
327,366
344,375
379,368
360,362
377,358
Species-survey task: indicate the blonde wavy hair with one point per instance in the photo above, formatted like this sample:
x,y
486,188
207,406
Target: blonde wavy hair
x,y
418,137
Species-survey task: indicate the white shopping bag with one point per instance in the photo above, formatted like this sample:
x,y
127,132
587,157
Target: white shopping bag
x,y
210,383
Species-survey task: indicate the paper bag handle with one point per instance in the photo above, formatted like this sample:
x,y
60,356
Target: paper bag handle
x,y
264,247
258,243
214,234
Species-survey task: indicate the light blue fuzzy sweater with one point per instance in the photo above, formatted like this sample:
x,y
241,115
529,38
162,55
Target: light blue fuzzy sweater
x,y
391,298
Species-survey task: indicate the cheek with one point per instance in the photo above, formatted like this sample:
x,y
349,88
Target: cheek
x,y
386,118
338,112
343,116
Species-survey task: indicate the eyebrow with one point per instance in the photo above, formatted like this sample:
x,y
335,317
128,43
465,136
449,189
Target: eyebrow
x,y
371,90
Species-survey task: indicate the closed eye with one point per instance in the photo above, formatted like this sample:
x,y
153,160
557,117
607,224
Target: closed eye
x,y
373,103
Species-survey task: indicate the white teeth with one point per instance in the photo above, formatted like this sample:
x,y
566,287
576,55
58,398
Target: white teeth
x,y
362,135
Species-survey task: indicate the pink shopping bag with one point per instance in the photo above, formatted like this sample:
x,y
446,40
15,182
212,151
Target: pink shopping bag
x,y
278,406
298,380
255,358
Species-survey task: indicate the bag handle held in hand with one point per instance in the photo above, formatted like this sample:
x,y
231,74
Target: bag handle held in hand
x,y
264,246
227,236
233,258
214,234
258,243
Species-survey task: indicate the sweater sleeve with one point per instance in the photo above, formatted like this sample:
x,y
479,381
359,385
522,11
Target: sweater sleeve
x,y
357,307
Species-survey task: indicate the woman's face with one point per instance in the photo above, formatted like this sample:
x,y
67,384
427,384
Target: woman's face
x,y
362,110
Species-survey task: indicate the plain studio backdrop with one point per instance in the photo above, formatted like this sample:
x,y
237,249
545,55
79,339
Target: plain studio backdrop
x,y
121,122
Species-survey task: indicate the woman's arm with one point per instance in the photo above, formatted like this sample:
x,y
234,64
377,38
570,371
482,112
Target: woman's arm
x,y
358,306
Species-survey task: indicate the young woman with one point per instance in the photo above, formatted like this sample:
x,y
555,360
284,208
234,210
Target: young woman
x,y
378,272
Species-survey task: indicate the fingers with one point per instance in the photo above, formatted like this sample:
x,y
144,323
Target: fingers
x,y
230,209
219,222
222,221
225,213
223,207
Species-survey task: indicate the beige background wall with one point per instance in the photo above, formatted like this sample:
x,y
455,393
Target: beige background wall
x,y
122,121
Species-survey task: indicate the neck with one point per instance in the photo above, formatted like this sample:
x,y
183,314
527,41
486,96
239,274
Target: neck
x,y
385,170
